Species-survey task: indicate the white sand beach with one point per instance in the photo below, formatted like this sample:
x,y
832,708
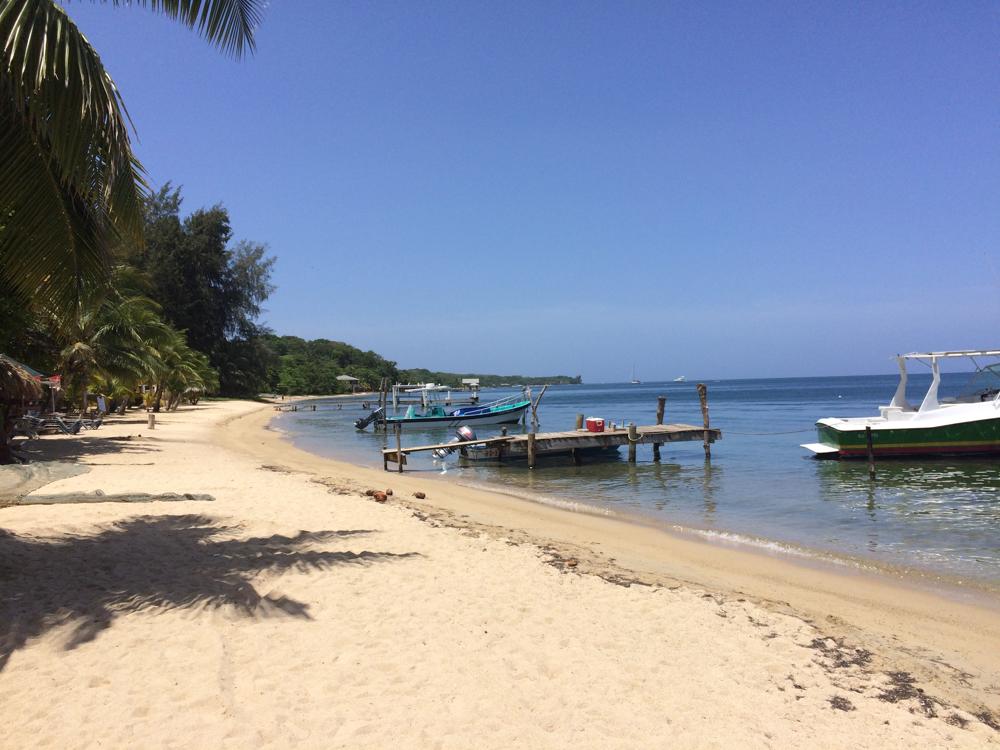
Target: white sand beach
x,y
290,610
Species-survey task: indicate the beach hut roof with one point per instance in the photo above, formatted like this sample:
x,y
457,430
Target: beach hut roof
x,y
17,383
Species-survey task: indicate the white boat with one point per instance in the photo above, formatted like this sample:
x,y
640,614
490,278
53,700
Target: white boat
x,y
680,379
968,425
635,380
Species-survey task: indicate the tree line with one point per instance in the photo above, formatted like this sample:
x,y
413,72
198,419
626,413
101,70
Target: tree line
x,y
178,315
307,368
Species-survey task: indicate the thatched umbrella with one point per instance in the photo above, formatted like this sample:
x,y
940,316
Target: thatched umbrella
x,y
17,383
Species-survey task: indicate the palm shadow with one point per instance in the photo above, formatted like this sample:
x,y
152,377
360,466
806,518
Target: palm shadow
x,y
151,563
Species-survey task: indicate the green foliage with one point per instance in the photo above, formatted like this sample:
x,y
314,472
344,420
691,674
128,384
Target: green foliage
x,y
72,196
70,187
23,334
209,288
311,367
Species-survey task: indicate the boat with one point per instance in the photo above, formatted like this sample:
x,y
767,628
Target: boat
x,y
635,380
967,425
507,410
680,379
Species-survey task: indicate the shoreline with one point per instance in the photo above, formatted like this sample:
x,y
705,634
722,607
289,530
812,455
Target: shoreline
x,y
979,591
269,602
877,609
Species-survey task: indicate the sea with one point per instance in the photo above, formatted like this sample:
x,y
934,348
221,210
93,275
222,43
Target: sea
x,y
936,520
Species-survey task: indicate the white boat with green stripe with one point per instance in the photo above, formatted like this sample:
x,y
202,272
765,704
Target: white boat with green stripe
x,y
966,426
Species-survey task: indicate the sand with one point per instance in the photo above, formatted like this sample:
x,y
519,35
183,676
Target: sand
x,y
287,609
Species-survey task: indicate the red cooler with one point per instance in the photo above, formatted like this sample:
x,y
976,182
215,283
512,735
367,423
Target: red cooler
x,y
594,424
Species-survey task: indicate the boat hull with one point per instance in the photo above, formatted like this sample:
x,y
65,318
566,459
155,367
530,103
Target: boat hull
x,y
976,438
450,421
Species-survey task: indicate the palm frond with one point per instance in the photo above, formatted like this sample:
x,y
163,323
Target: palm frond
x,y
52,242
70,186
55,81
229,24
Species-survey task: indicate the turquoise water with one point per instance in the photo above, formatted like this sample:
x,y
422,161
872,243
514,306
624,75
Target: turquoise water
x,y
938,516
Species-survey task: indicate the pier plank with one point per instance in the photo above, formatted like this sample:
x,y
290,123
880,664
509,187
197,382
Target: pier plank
x,y
569,441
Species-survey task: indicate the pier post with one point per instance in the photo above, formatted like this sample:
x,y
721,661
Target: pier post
x,y
661,407
534,406
633,438
399,448
871,452
579,421
703,397
531,450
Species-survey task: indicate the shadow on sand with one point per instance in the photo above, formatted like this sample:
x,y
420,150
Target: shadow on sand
x,y
72,447
151,563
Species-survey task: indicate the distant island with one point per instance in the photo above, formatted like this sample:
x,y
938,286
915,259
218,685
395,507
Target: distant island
x,y
420,375
309,368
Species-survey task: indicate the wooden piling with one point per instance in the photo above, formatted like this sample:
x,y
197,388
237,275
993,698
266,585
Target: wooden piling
x,y
534,406
871,452
579,421
531,450
399,447
633,438
661,407
703,398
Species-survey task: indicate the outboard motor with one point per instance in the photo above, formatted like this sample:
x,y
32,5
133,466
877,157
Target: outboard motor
x,y
363,422
462,434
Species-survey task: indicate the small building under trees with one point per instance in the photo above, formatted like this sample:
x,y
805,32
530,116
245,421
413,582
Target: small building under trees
x,y
349,381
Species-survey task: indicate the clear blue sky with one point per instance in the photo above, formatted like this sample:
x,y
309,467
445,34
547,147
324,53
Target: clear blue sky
x,y
708,189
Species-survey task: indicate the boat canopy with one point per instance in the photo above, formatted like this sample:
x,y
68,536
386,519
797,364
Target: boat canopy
x,y
930,401
953,354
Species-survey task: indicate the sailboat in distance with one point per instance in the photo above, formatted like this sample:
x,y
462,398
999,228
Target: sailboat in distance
x,y
635,380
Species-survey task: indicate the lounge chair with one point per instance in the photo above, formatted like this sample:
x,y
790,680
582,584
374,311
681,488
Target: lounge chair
x,y
54,423
92,424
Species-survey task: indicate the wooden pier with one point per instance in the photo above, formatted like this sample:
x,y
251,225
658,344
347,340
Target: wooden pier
x,y
571,443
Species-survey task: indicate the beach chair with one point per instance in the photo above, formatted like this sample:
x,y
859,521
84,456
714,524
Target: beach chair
x,y
92,423
54,423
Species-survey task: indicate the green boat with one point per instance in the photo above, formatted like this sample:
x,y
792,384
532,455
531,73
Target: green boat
x,y
966,426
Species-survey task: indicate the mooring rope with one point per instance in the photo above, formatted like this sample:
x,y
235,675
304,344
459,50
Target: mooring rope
x,y
759,434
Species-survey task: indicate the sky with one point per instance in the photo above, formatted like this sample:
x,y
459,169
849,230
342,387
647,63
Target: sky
x,y
716,190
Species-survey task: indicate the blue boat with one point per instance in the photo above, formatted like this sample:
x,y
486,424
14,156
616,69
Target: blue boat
x,y
507,410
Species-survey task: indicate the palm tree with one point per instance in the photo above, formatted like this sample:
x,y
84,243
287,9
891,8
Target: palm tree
x,y
70,186
114,336
179,368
